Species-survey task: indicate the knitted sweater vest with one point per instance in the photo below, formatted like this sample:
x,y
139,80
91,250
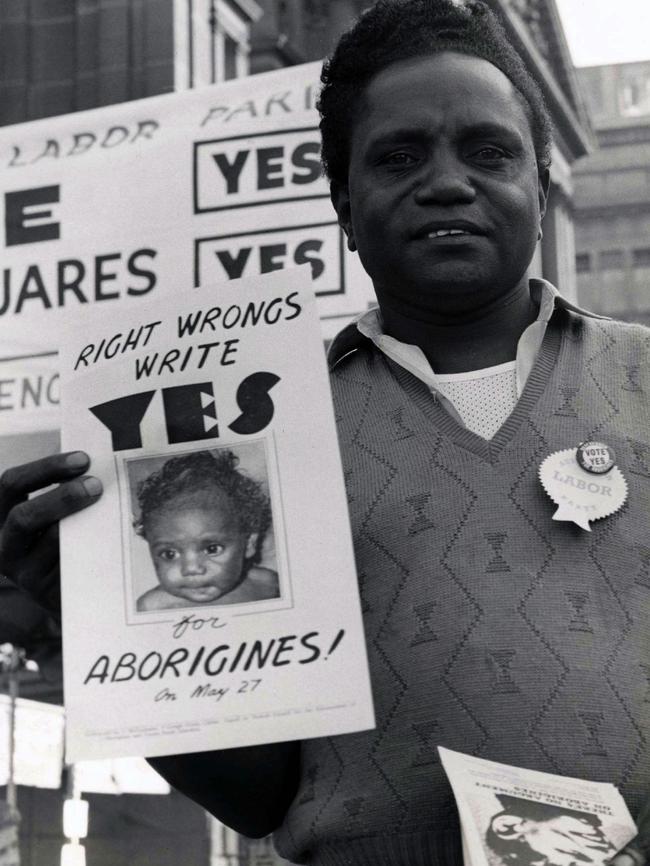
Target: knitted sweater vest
x,y
491,629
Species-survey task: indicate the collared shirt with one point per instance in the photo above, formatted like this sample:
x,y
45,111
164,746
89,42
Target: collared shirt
x,y
413,359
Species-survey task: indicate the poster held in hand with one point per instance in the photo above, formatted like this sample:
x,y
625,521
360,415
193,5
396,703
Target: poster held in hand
x,y
511,816
209,597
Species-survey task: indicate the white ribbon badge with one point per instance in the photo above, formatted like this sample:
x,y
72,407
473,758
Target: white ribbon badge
x,y
581,496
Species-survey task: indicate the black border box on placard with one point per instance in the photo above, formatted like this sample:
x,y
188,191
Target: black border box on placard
x,y
255,202
339,290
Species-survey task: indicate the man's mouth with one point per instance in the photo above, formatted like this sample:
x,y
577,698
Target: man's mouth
x,y
445,233
449,229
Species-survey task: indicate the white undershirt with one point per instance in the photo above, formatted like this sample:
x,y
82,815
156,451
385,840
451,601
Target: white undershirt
x,y
478,411
483,398
482,406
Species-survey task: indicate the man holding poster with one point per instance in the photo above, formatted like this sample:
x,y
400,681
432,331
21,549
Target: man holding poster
x,y
492,628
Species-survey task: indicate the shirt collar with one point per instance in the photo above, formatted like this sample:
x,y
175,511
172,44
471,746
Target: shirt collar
x,y
368,325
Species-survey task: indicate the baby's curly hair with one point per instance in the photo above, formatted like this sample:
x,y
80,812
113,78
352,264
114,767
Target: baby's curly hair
x,y
393,30
201,471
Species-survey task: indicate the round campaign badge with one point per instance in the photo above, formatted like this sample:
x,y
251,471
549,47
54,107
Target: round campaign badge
x,y
596,457
583,495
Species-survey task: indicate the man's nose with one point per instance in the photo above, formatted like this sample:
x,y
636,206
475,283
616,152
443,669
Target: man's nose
x,y
192,563
445,180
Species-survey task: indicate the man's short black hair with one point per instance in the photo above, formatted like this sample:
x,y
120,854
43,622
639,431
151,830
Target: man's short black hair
x,y
393,30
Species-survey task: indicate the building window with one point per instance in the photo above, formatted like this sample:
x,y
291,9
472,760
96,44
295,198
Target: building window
x,y
634,94
212,40
231,57
612,260
641,257
583,263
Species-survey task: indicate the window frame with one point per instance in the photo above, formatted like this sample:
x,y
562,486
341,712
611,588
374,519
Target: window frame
x,y
641,257
612,259
583,263
201,28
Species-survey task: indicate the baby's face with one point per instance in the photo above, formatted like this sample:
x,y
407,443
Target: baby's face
x,y
198,550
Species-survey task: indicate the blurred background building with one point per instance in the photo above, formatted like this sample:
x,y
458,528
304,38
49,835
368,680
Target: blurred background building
x,y
612,193
61,56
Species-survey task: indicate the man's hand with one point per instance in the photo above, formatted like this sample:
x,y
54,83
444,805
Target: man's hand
x,y
629,856
29,538
637,853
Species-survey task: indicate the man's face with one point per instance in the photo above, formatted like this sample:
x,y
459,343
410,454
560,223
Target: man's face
x,y
198,548
444,200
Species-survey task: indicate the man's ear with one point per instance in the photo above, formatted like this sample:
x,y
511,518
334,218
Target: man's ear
x,y
543,186
340,197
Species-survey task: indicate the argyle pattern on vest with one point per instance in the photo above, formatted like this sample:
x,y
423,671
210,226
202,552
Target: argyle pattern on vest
x,y
491,629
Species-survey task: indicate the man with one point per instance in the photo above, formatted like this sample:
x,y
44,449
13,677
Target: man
x,y
437,143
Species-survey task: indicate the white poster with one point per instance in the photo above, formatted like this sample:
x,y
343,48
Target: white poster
x,y
210,597
38,743
106,208
510,815
118,776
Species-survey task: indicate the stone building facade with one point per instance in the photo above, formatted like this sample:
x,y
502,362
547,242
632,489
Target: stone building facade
x,y
612,199
58,56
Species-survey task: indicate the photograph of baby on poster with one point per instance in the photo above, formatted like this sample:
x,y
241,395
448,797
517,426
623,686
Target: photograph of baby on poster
x,y
203,526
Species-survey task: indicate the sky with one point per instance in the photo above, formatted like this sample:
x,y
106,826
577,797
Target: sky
x,y
606,31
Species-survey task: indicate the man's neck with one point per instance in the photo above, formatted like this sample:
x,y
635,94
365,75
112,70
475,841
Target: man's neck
x,y
478,339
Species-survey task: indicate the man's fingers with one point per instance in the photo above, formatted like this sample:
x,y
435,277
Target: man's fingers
x,y
19,481
48,592
39,571
40,580
27,520
29,550
629,856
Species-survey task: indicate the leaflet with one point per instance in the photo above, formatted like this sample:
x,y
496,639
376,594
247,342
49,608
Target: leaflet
x,y
37,743
512,816
209,596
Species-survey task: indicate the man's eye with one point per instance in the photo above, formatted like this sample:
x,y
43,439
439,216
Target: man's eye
x,y
399,159
490,154
214,549
167,554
